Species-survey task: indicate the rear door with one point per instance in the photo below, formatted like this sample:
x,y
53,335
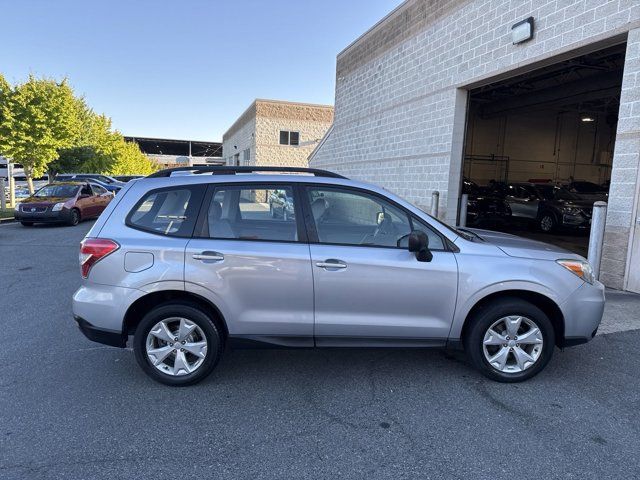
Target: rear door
x,y
369,289
255,267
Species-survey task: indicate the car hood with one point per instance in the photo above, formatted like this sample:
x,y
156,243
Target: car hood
x,y
515,246
583,204
45,200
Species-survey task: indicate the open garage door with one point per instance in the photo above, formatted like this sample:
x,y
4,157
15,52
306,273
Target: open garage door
x,y
539,148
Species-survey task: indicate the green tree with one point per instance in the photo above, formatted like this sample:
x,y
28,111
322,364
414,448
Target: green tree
x,y
129,160
100,149
38,118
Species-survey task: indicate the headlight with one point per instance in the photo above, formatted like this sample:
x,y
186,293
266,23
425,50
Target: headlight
x,y
572,210
17,207
581,268
57,207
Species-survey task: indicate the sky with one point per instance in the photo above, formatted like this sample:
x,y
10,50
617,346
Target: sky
x,y
183,69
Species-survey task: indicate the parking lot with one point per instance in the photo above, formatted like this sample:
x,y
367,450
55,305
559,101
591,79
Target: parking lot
x,y
76,409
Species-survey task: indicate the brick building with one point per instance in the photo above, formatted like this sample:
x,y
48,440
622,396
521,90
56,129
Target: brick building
x,y
272,132
497,90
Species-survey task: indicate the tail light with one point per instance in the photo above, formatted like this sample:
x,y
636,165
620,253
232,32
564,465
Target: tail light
x,y
92,250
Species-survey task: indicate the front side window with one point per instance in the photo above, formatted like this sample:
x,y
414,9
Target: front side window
x,y
169,211
352,218
98,190
252,213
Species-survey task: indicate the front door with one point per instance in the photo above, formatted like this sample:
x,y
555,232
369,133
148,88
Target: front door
x,y
369,289
254,267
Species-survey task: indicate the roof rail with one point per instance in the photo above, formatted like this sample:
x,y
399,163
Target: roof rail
x,y
224,170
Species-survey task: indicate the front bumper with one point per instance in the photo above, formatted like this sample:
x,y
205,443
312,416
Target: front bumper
x,y
582,313
576,221
48,216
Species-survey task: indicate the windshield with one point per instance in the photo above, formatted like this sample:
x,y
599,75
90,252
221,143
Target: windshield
x,y
63,191
549,192
586,187
461,233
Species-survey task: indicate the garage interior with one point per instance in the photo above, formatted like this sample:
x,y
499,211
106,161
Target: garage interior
x,y
553,125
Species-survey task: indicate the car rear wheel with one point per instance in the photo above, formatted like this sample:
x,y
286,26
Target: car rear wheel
x,y
74,218
177,344
27,224
547,222
510,340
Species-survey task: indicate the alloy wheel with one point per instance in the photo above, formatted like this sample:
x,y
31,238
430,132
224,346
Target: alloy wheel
x,y
176,346
546,224
512,344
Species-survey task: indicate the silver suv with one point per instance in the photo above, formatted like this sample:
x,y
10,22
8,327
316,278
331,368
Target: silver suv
x,y
188,263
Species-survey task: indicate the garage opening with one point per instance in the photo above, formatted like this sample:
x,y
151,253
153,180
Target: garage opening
x,y
539,147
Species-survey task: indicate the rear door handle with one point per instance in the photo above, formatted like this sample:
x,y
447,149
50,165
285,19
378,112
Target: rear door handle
x,y
331,263
208,256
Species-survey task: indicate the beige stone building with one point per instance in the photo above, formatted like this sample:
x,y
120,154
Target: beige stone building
x,y
273,132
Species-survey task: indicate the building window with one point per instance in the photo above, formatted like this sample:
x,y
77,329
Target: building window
x,y
289,138
246,155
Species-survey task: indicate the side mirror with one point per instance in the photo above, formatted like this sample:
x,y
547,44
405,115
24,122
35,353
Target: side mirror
x,y
419,244
379,218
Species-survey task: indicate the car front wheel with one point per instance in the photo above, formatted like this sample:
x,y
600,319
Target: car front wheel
x,y
74,218
547,222
510,340
177,344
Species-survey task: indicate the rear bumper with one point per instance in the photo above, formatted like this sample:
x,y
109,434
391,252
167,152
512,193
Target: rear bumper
x,y
113,338
582,313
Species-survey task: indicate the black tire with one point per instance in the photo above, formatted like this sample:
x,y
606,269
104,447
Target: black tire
x,y
74,217
547,222
486,316
194,314
27,224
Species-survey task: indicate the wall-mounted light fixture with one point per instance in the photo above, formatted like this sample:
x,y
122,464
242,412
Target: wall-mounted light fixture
x,y
522,31
587,118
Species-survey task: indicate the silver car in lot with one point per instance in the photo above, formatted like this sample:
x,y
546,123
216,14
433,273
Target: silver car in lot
x,y
186,264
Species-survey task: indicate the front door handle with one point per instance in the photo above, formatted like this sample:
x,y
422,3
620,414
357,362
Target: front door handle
x,y
208,256
331,263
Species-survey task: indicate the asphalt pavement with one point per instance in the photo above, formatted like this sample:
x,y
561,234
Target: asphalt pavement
x,y
70,408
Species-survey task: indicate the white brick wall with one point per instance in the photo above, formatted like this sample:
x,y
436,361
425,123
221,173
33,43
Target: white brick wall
x,y
239,141
399,111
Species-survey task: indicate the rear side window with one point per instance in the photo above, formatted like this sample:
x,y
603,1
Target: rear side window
x,y
265,213
168,211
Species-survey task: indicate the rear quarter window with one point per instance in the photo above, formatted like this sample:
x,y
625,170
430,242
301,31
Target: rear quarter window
x,y
168,211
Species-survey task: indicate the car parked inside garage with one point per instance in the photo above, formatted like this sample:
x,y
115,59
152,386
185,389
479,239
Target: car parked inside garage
x,y
547,206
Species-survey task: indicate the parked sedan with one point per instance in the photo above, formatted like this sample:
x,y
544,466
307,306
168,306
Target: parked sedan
x,y
109,183
485,209
63,202
281,205
548,206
